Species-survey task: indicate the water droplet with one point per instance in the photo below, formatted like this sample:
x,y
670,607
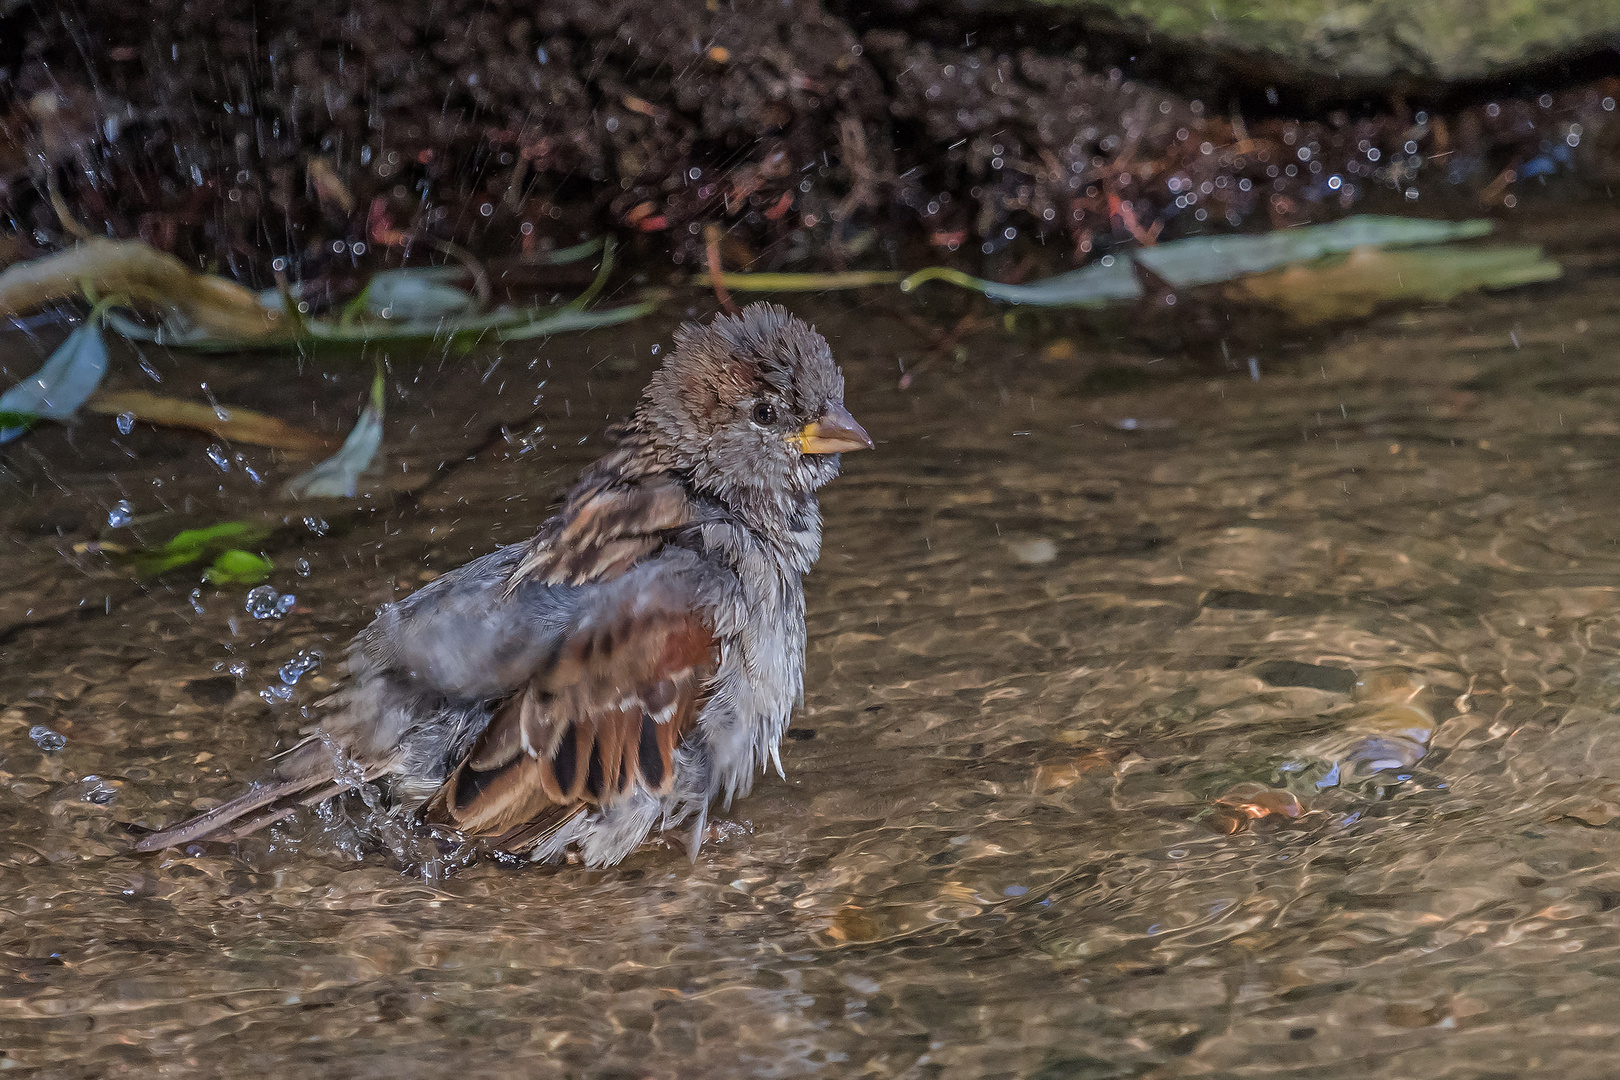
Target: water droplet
x,y
306,661
263,602
120,515
285,604
316,525
196,602
46,739
239,669
302,567
273,694
216,454
242,463
126,423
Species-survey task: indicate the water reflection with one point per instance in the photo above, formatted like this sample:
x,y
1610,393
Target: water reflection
x,y
1272,736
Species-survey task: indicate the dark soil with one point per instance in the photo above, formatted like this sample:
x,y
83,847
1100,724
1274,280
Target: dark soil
x,y
235,133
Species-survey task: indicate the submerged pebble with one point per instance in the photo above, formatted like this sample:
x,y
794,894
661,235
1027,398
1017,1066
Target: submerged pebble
x,y
1033,551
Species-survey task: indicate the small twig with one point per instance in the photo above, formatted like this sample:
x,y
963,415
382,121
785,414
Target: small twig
x,y
711,252
858,161
479,275
1122,210
1494,190
70,224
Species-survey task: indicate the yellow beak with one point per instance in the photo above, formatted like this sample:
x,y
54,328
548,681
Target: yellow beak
x,y
834,432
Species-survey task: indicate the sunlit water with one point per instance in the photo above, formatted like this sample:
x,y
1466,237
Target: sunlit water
x,y
1085,784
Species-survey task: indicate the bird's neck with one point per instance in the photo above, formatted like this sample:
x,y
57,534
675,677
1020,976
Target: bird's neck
x,y
784,530
778,521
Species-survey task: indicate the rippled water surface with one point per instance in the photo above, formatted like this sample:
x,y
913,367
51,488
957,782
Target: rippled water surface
x,y
1157,724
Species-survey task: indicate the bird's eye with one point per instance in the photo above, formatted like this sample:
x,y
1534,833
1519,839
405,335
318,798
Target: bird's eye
x,y
764,414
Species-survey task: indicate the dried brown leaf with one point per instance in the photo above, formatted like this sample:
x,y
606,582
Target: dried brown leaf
x,y
239,425
135,269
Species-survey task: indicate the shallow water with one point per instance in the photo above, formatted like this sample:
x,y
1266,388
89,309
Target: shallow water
x,y
1084,786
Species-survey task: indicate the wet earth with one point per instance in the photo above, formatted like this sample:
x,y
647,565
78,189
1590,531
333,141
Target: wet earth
x,y
1160,722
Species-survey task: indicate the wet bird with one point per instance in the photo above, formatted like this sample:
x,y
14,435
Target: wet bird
x,y
635,661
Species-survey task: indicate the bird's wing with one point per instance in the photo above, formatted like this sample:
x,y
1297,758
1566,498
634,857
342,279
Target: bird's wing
x,y
604,715
604,529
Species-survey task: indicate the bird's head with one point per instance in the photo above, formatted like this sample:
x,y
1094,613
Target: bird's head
x,y
750,407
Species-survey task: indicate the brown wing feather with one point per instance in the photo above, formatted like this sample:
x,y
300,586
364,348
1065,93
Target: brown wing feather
x,y
605,527
605,715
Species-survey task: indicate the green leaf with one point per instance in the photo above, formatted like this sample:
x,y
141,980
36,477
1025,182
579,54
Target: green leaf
x,y
1208,260
237,567
850,279
564,256
583,300
574,319
195,545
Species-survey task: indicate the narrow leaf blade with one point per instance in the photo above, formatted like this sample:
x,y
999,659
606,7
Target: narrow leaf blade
x,y
238,424
54,392
338,477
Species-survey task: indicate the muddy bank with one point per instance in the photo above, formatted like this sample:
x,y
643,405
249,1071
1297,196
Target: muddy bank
x,y
337,136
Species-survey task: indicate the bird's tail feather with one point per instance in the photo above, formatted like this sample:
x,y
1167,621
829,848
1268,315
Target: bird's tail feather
x,y
310,764
222,817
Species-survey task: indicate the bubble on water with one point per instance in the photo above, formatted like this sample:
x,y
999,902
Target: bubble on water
x,y
126,423
302,567
216,454
120,515
239,669
196,602
276,693
97,791
300,665
263,602
316,525
285,604
46,739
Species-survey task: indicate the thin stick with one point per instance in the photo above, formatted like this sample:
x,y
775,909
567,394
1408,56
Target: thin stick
x,y
711,251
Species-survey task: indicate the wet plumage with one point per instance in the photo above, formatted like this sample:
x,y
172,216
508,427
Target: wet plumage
x,y
636,660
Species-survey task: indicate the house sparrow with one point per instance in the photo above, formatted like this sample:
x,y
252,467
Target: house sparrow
x,y
636,659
